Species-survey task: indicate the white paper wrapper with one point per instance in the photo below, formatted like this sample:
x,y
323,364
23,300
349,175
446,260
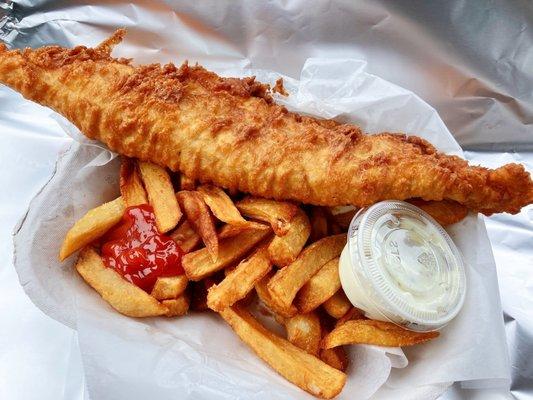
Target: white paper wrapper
x,y
198,356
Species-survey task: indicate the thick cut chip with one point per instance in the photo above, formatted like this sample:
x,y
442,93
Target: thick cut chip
x,y
265,297
228,231
335,357
186,237
199,264
200,218
160,195
287,281
324,284
445,212
304,370
337,305
178,306
169,287
122,295
221,205
319,224
240,281
250,297
304,331
277,213
284,249
379,333
131,186
91,226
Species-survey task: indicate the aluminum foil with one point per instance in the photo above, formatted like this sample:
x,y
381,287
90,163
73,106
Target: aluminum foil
x,y
470,60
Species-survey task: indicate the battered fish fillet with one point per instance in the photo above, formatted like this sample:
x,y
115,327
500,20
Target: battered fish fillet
x,y
445,212
228,132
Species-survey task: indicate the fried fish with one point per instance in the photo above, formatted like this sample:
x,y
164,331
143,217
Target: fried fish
x,y
229,132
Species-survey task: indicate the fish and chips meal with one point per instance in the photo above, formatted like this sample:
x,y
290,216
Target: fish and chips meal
x,y
231,204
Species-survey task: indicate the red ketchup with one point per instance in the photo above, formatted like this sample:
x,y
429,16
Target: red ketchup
x,y
137,251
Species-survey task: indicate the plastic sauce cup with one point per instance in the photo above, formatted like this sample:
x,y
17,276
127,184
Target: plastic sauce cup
x,y
400,265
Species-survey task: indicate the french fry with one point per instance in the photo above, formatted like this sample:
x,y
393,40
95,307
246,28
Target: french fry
x,y
187,183
122,295
249,298
240,281
265,297
221,205
131,186
178,306
337,305
169,287
304,331
277,213
335,357
304,370
91,226
160,195
200,218
199,265
186,237
228,231
324,284
319,224
283,250
287,281
379,333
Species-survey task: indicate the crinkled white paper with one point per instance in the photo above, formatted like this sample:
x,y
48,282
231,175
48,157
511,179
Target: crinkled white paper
x,y
198,356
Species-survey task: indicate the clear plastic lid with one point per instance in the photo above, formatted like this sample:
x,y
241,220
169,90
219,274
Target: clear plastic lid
x,y
409,267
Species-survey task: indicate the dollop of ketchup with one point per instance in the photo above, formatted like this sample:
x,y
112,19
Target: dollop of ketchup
x,y
137,251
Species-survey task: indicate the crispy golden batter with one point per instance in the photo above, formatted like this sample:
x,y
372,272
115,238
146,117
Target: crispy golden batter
x,y
228,132
445,212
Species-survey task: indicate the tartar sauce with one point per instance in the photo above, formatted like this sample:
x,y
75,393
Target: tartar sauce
x,y
400,265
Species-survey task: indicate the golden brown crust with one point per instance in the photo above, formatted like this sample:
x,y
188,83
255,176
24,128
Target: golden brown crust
x,y
227,131
445,212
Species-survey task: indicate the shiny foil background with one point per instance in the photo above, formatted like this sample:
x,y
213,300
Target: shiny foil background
x,y
472,61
